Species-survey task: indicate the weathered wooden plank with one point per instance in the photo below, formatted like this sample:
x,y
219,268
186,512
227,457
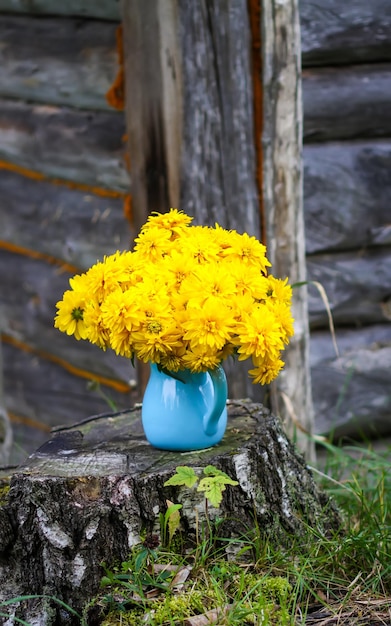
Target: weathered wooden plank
x,y
218,155
30,289
62,61
335,32
283,201
347,190
101,9
347,103
81,146
352,392
154,104
199,155
357,283
43,394
68,224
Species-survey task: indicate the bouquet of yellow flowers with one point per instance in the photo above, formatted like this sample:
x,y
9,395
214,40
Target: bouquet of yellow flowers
x,y
186,297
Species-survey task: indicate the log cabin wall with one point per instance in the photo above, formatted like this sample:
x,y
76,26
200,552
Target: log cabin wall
x,y
346,59
64,186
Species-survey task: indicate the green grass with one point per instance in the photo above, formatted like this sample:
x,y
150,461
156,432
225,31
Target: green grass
x,y
345,577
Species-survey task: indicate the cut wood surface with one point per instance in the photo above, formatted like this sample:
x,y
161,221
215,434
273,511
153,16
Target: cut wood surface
x,y
80,146
68,224
335,32
57,61
357,283
88,493
101,9
347,102
347,190
352,391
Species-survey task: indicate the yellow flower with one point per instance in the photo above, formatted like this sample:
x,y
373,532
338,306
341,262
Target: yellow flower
x,y
209,326
210,281
279,290
174,221
155,339
97,332
70,316
186,297
119,312
121,343
266,371
248,250
173,361
176,268
198,244
222,238
152,244
259,335
103,278
201,359
249,280
283,315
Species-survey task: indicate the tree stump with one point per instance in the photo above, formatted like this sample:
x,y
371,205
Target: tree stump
x,y
85,496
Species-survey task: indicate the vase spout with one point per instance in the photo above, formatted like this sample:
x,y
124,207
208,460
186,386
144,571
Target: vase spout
x,y
211,419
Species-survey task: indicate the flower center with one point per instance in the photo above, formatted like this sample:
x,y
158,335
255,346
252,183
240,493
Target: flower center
x,y
154,327
77,314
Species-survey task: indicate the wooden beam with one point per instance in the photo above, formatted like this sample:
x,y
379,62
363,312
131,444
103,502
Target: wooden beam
x,y
56,61
153,104
100,9
282,141
347,190
337,33
79,146
347,102
357,283
219,166
352,391
68,224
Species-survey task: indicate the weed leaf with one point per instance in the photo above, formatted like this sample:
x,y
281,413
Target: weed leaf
x,y
211,470
173,518
184,476
213,487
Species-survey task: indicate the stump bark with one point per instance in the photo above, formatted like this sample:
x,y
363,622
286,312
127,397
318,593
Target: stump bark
x,y
85,496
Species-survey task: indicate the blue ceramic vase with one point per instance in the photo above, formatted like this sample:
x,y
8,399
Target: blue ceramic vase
x,y
185,411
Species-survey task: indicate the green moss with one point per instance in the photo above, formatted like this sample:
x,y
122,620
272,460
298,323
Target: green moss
x,y
4,491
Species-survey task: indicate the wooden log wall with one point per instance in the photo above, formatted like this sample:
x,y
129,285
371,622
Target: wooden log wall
x,y
64,187
346,59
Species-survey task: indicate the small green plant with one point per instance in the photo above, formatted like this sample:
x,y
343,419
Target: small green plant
x,y
169,522
138,574
212,485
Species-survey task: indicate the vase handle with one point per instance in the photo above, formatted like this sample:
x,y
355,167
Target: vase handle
x,y
220,391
